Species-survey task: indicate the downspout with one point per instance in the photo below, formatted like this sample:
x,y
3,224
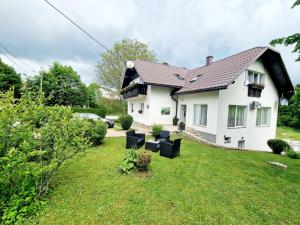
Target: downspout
x,y
176,100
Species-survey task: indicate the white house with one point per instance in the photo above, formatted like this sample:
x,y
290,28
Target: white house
x,y
231,102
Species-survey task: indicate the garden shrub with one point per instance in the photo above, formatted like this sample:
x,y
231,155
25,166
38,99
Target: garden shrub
x,y
156,129
292,154
100,111
143,160
96,131
126,121
35,140
278,145
181,126
129,161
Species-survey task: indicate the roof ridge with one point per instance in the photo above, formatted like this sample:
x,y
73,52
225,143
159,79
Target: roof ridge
x,y
262,47
161,64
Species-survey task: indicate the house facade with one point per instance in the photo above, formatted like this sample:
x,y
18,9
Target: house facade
x,y
231,102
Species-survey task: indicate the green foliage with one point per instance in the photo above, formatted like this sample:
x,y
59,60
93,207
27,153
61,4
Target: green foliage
x,y
96,131
93,93
61,86
175,121
129,161
156,129
290,115
9,78
278,145
100,111
126,121
293,39
113,106
143,160
111,68
292,154
35,141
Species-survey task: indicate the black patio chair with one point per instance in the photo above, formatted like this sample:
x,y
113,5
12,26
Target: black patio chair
x,y
164,135
170,149
134,140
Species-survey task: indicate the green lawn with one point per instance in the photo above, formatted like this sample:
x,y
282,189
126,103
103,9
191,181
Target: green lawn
x,y
205,185
288,133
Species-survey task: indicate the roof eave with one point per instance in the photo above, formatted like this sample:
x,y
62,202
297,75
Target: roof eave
x,y
201,90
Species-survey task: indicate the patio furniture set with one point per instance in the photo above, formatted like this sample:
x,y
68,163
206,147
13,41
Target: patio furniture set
x,y
161,142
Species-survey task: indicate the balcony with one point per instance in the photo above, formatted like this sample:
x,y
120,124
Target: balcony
x,y
134,90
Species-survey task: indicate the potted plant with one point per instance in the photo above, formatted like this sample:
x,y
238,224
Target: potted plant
x,y
140,111
175,121
181,126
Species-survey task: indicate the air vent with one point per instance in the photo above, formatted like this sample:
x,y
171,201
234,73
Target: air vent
x,y
255,105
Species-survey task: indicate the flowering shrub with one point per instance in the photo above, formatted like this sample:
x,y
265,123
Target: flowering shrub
x,y
35,140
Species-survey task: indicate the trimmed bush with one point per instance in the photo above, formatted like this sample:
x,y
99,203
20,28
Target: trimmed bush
x,y
278,145
96,131
143,160
181,126
101,111
156,129
292,154
175,121
126,121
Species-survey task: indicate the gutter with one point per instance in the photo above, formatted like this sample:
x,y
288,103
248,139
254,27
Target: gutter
x,y
176,100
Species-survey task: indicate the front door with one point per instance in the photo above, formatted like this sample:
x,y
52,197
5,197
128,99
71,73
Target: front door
x,y
183,113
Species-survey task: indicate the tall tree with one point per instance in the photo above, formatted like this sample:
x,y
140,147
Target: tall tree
x,y
93,94
111,68
61,86
293,39
9,78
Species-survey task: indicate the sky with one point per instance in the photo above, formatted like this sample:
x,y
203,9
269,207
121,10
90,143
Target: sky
x,y
180,32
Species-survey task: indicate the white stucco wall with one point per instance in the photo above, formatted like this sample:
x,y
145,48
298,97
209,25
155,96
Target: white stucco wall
x,y
144,117
237,94
211,100
160,97
157,97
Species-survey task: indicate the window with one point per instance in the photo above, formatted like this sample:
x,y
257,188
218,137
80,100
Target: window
x,y
263,116
237,116
165,111
200,115
255,78
131,107
241,144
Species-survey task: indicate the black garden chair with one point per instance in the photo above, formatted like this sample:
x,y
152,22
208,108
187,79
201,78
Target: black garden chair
x,y
164,135
134,140
170,149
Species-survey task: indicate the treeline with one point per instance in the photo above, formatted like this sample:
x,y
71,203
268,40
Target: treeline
x,y
60,85
289,115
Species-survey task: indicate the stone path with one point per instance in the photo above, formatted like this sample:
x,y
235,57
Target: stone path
x,y
118,132
294,143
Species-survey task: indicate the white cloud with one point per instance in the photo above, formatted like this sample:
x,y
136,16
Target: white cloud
x,y
180,32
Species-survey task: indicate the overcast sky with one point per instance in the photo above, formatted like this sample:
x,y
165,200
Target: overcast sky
x,y
180,32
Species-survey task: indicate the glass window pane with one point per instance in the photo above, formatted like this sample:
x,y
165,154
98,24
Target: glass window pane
x,y
240,116
203,116
231,116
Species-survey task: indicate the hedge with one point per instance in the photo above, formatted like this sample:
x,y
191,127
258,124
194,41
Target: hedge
x,y
98,111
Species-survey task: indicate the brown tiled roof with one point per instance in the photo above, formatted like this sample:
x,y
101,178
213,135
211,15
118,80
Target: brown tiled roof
x,y
160,74
221,73
217,75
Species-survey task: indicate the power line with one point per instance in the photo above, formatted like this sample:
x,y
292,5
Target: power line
x,y
77,25
9,58
14,55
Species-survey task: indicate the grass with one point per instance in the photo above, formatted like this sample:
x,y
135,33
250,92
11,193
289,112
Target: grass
x,y
288,133
205,185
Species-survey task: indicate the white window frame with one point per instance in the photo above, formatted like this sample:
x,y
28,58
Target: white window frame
x,y
200,115
261,77
235,116
261,115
